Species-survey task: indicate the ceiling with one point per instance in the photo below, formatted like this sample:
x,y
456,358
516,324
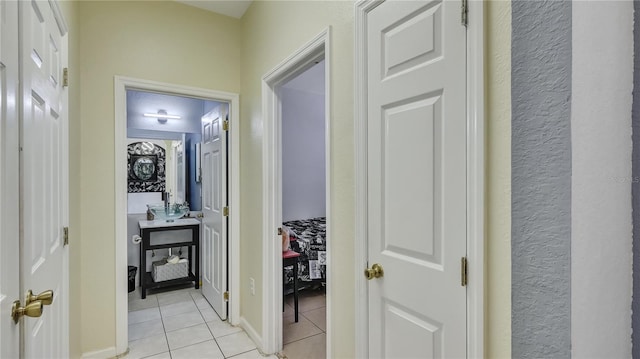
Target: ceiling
x,y
139,102
189,109
233,8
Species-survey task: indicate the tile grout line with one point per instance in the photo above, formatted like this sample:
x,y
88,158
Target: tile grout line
x,y
164,328
205,323
312,322
307,337
209,329
307,318
193,300
304,338
299,340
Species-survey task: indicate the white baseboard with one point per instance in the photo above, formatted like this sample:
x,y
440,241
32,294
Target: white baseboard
x,y
101,354
253,334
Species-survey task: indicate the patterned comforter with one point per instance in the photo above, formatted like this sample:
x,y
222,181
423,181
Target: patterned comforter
x,y
311,242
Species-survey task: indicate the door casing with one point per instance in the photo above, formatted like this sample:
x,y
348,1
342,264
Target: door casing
x,y
121,85
475,178
319,47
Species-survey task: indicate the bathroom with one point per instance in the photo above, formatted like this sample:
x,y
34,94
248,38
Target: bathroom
x,y
180,150
164,136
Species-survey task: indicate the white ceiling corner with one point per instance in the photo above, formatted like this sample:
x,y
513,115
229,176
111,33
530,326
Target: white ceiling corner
x,y
233,8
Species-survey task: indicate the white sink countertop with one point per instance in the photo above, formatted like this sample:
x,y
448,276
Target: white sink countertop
x,y
144,224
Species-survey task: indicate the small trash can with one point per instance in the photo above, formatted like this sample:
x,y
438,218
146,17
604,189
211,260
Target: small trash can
x,y
132,278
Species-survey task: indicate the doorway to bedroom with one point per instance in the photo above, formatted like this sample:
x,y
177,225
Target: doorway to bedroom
x,y
304,209
298,163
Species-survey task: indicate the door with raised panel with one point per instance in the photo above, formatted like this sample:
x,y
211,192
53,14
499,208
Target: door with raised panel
x,y
9,179
416,139
214,199
44,175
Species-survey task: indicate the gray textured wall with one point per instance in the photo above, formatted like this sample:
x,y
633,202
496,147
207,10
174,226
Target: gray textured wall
x,y
541,179
635,186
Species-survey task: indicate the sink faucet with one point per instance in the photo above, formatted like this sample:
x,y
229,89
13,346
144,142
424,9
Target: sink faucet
x,y
166,201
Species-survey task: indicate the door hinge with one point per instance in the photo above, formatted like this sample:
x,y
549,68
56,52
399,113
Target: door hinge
x,y
225,211
226,296
279,231
464,16
65,77
225,125
463,271
65,236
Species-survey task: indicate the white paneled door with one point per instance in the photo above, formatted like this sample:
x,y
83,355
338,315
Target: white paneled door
x,y
214,200
416,140
44,176
9,179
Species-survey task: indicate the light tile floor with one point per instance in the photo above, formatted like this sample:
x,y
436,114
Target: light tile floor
x,y
181,324
307,338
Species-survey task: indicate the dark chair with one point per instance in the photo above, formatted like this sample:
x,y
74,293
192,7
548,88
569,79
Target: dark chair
x,y
290,258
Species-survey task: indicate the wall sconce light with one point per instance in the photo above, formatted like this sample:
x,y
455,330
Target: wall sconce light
x,y
162,116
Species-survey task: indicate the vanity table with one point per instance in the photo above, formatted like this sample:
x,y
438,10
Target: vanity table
x,y
148,227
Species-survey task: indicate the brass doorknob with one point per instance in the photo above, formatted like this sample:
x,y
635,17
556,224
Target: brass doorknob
x,y
375,271
33,309
45,297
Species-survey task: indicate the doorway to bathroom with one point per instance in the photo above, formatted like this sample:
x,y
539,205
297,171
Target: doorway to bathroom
x,y
188,170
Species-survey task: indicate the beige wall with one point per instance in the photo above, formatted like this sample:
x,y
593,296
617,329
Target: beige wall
x,y
498,179
271,31
161,41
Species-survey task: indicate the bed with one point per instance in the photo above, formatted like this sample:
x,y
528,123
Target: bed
x,y
308,237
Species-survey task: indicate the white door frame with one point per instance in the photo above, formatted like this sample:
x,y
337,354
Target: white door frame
x,y
295,64
475,178
121,85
